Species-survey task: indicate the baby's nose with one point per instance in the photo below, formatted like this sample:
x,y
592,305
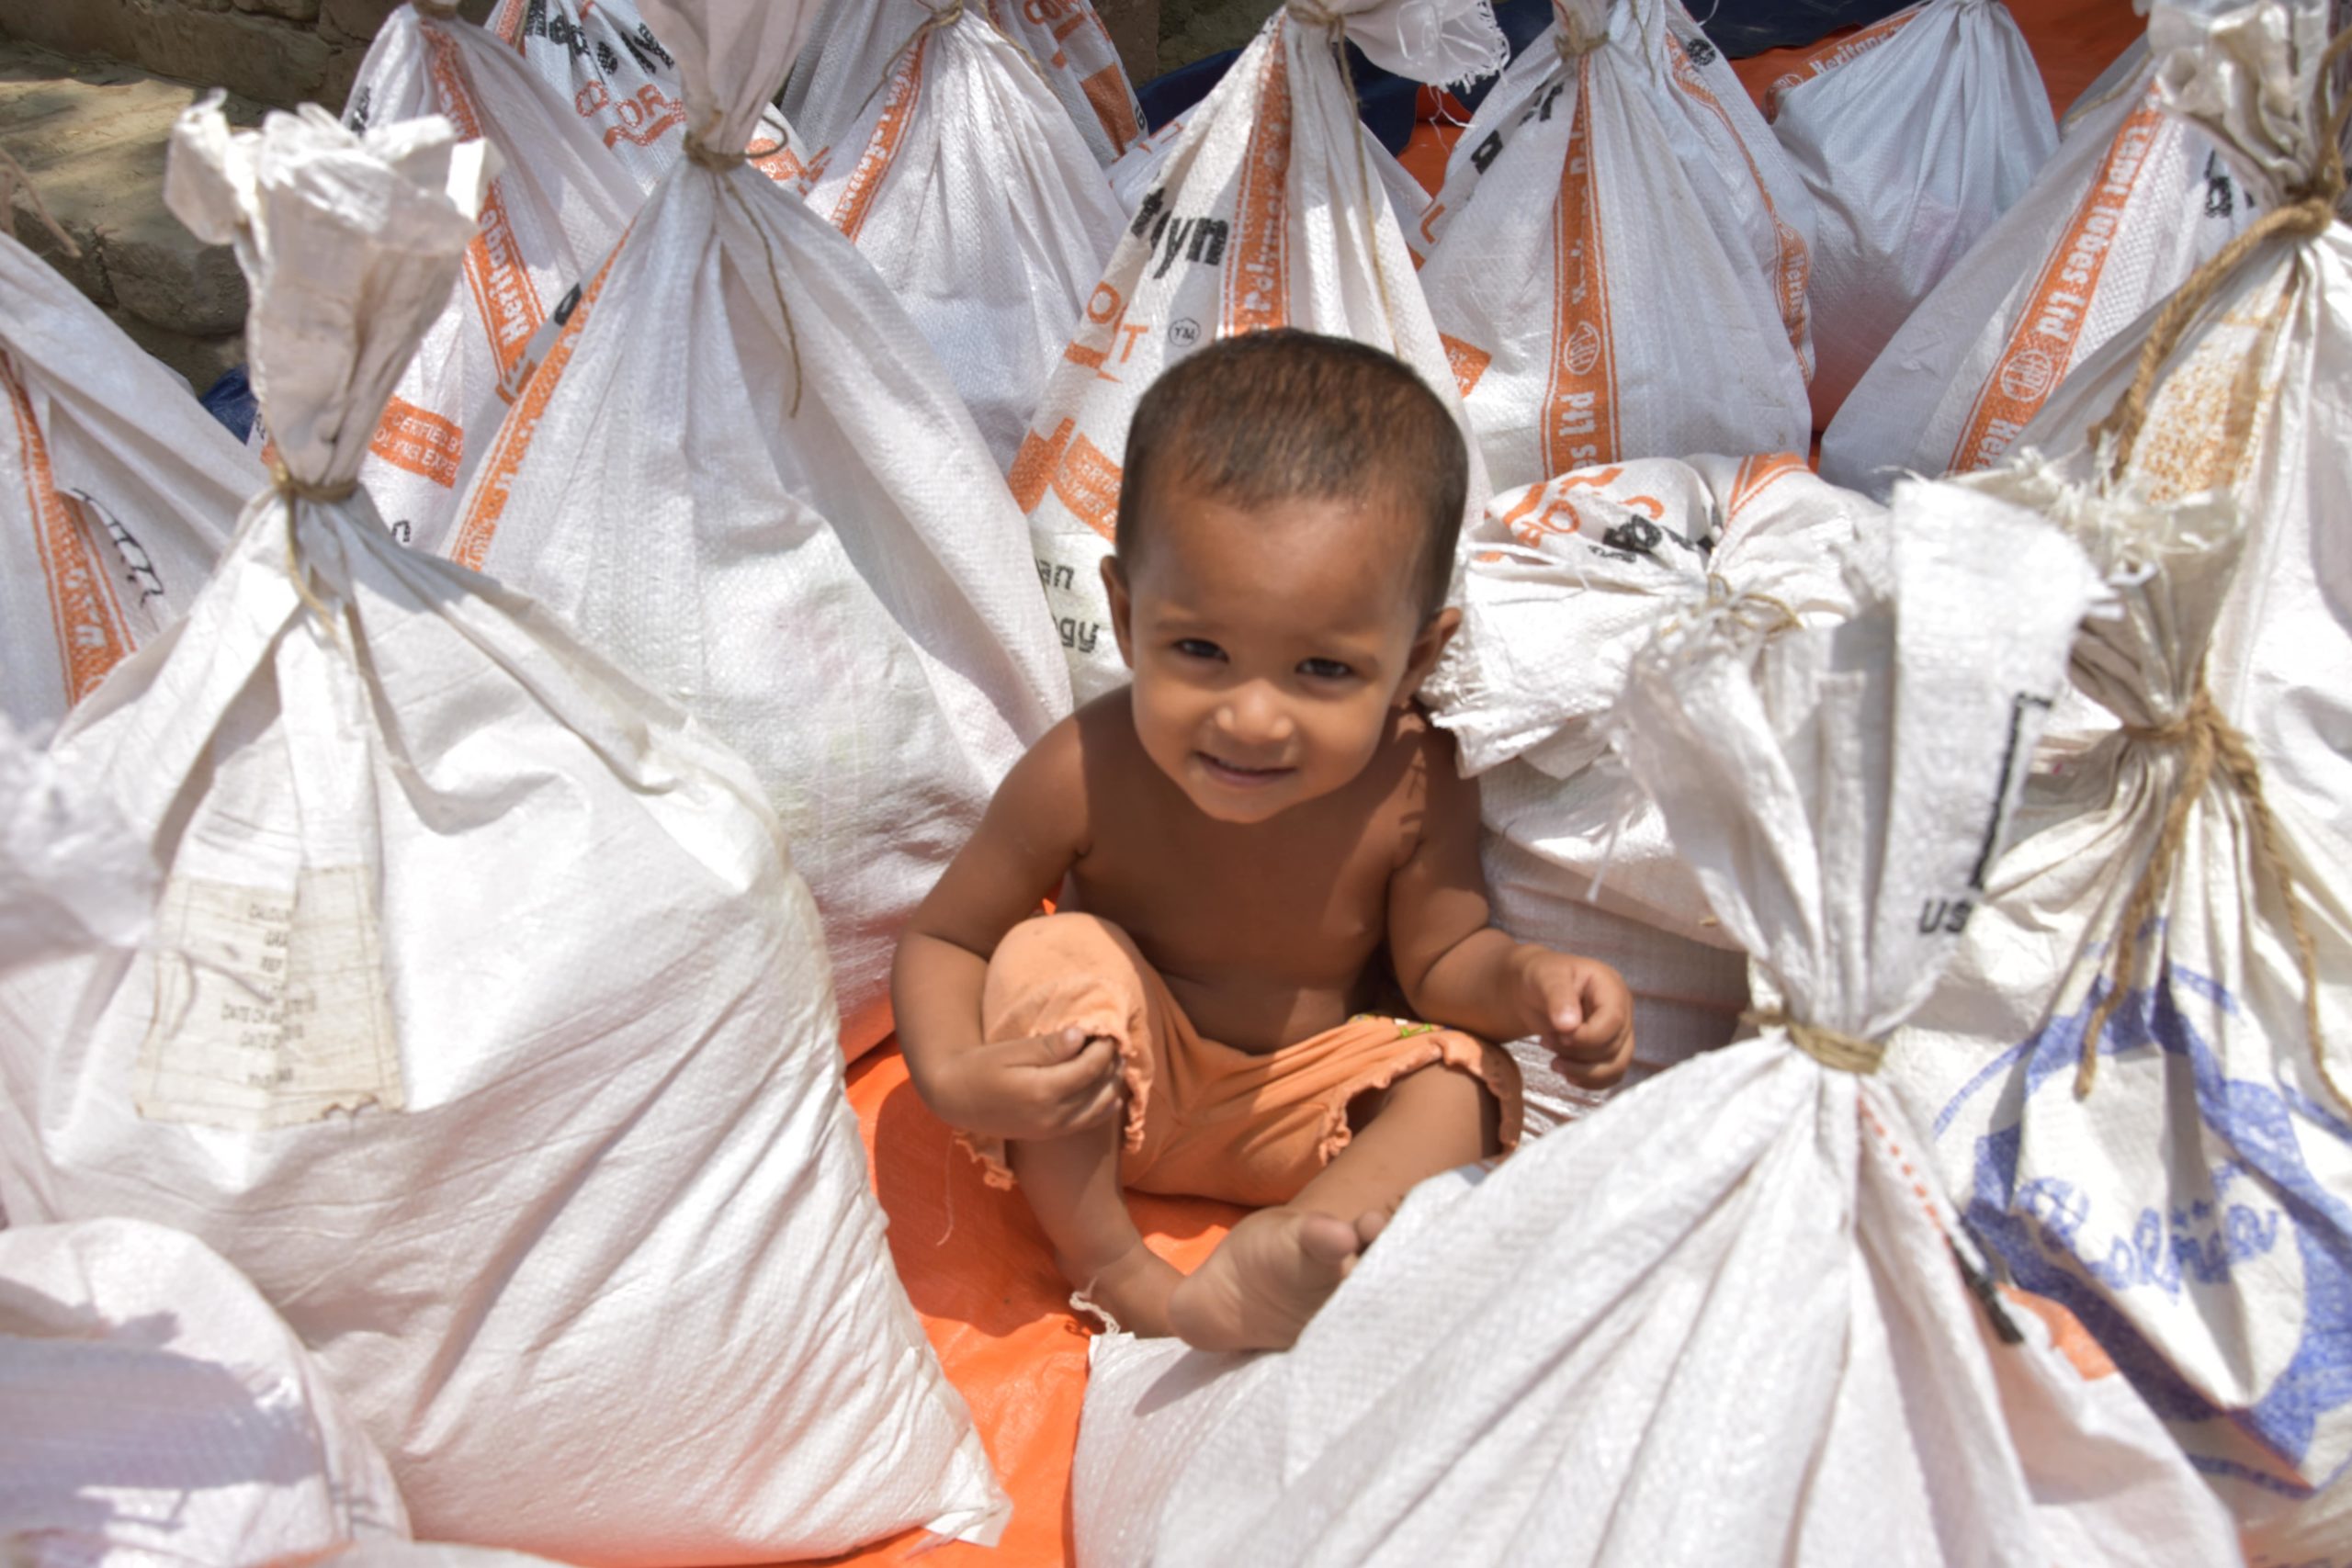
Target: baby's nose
x,y
1256,715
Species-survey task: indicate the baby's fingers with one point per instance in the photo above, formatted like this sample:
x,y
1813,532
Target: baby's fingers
x,y
1075,1081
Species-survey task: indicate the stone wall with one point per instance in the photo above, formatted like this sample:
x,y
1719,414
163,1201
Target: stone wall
x,y
282,52
1191,28
279,52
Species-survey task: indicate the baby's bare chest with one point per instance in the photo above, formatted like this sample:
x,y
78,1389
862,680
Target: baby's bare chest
x,y
1296,904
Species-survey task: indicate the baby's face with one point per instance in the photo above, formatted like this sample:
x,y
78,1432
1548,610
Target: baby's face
x,y
1270,645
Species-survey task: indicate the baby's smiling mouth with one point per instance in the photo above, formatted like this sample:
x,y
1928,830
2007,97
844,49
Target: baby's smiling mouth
x,y
1239,777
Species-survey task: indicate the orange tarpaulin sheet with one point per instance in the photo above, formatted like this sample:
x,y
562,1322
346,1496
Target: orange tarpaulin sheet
x,y
978,1269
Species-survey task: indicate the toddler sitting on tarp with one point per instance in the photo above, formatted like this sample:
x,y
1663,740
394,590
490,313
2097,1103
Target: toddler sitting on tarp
x,y
1251,845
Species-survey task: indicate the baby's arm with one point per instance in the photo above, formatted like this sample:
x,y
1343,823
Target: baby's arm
x,y
1038,1087
1458,969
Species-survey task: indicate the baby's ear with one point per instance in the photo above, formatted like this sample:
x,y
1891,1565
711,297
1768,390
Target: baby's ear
x,y
1115,584
1428,643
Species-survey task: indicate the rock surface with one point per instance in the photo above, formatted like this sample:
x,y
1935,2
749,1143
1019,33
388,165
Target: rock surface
x,y
91,137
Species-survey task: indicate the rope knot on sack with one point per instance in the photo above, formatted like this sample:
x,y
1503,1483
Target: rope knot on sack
x,y
1759,613
703,155
292,490
283,481
1845,1053
2305,214
437,10
2213,750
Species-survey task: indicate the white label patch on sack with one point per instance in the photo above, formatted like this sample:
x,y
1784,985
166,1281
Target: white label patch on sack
x,y
269,1011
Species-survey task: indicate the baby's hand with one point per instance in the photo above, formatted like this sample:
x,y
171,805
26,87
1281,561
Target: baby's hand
x,y
1584,1013
1035,1087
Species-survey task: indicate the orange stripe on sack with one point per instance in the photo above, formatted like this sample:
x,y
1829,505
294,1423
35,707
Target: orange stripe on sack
x,y
83,613
2042,344
850,213
522,422
1257,283
1580,400
420,441
506,25
1836,52
1758,474
504,300
1793,264
1106,91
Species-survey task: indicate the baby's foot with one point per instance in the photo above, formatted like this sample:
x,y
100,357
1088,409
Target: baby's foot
x,y
1259,1288
1132,1290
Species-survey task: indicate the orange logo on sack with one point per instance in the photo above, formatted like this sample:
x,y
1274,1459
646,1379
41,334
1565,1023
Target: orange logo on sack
x,y
1466,360
505,301
1837,53
2042,343
1074,470
1106,92
1580,400
421,442
514,442
1257,283
84,611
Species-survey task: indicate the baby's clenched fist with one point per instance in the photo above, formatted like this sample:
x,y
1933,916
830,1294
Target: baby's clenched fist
x,y
1582,1012
1029,1089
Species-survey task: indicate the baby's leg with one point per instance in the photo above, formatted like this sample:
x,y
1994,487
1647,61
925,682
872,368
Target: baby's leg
x,y
1072,1185
1279,1264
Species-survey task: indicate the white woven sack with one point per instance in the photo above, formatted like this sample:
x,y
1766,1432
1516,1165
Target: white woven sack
x,y
974,197
1561,584
486,1028
1073,48
2131,204
1137,171
71,876
2192,1207
603,59
1913,135
154,1409
554,208
1605,160
851,45
1722,1319
119,493
1268,212
742,474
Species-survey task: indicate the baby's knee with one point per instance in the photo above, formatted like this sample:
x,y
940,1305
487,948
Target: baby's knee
x,y
1451,1093
1061,940
1061,970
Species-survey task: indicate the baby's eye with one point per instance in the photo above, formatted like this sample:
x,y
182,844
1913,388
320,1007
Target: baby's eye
x,y
1198,648
1324,669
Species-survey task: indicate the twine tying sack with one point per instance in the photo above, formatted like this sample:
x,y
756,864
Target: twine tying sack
x,y
2211,743
1334,26
2305,214
2213,749
703,155
292,490
946,16
1570,38
1845,1053
438,10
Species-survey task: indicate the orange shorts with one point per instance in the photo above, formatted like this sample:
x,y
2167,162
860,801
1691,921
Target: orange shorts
x,y
1205,1120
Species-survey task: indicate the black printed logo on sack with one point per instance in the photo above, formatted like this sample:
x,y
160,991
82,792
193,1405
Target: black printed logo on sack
x,y
138,566
1200,239
2220,196
561,30
1183,332
1702,53
1483,155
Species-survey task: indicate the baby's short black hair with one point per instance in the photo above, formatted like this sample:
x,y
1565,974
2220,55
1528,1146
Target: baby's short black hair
x,y
1290,415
